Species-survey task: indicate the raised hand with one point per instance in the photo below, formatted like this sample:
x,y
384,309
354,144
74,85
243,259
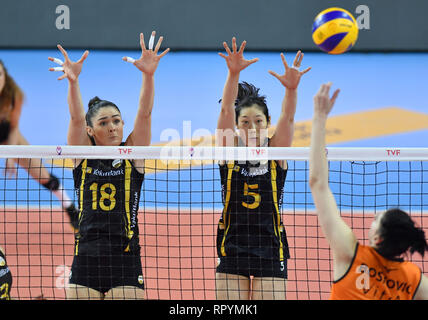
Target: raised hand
x,y
322,101
71,69
291,78
149,59
235,59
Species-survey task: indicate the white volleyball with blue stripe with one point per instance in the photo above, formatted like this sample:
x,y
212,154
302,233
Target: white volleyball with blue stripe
x,y
335,30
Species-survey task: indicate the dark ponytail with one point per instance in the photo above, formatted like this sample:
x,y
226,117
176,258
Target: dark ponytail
x,y
399,234
94,105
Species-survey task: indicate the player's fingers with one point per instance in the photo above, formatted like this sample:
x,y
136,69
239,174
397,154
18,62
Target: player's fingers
x,y
226,47
299,61
128,59
276,75
284,62
296,59
222,55
301,57
56,69
242,47
83,57
56,60
306,70
152,40
158,45
143,46
164,53
321,90
252,61
334,97
234,44
328,86
62,51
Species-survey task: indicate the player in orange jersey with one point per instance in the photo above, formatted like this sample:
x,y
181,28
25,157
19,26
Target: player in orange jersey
x,y
376,271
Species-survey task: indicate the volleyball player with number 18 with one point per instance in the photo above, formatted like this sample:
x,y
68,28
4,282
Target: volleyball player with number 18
x,y
107,262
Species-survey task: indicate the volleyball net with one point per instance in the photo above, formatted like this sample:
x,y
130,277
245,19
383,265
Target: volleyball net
x,y
181,204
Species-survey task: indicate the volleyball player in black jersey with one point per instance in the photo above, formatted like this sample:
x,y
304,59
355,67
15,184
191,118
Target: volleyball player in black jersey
x,y
251,241
5,277
107,263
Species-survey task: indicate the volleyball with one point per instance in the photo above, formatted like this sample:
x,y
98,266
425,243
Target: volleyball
x,y
335,30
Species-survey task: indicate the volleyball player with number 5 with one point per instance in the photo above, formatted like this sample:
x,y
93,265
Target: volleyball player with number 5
x,y
107,262
251,242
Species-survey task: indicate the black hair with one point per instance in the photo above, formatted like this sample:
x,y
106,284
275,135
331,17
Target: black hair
x,y
400,234
248,95
94,105
4,130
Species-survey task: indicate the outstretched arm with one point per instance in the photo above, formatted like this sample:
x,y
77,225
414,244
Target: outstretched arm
x,y
147,64
77,128
340,237
15,116
235,63
422,293
283,136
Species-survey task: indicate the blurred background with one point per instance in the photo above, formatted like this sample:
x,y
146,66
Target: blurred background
x,y
381,79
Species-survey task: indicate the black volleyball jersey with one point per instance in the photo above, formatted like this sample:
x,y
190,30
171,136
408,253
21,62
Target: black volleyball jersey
x,y
108,193
251,223
5,278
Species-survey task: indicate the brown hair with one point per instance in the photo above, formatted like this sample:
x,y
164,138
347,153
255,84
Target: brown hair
x,y
8,96
11,91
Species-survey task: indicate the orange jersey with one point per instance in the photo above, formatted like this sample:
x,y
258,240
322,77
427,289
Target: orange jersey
x,y
373,277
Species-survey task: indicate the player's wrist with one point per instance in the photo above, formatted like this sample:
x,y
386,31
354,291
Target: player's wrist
x,y
320,117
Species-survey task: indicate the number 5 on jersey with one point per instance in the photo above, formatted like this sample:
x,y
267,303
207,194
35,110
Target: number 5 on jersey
x,y
104,196
256,196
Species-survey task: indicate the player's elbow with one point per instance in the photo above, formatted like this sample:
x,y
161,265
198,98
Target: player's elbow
x,y
227,112
315,183
313,180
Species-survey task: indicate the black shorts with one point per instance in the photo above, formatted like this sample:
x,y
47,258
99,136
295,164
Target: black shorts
x,y
253,266
107,272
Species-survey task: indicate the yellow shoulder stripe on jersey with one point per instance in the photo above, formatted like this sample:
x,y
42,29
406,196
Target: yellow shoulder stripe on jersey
x,y
128,170
82,185
226,218
277,213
